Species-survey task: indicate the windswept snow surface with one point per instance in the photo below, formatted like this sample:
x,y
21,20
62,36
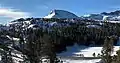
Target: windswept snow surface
x,y
81,61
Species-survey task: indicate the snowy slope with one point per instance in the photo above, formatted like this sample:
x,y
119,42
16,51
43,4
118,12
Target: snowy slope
x,y
61,14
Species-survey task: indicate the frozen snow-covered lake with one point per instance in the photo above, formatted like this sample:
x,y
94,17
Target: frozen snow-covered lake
x,y
86,51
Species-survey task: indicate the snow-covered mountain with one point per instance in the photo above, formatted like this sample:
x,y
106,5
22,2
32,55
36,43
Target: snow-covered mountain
x,y
111,16
60,14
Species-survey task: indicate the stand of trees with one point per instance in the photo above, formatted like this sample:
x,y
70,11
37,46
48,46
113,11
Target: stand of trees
x,y
38,42
107,50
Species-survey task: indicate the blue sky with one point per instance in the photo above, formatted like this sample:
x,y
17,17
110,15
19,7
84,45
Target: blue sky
x,y
13,9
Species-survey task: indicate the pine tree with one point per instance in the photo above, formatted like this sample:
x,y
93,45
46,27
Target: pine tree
x,y
107,50
94,55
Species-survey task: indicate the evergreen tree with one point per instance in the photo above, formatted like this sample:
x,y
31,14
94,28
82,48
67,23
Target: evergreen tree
x,y
107,50
94,55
